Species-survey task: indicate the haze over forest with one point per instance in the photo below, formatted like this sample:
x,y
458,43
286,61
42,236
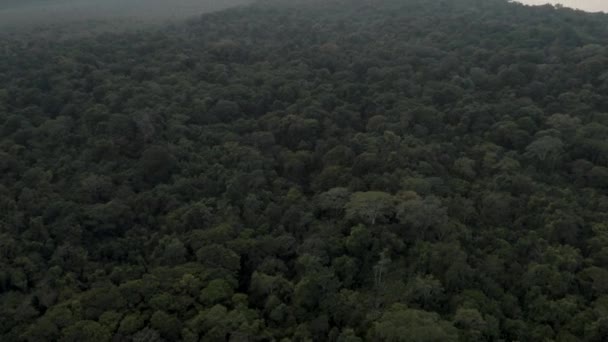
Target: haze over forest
x,y
20,13
25,13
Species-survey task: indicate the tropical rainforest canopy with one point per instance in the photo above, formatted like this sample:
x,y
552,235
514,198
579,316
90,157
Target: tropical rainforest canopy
x,y
398,170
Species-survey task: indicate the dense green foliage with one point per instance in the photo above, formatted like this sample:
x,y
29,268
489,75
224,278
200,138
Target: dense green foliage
x,y
336,171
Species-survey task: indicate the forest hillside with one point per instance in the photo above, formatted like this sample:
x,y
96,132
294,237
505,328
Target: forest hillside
x,y
338,170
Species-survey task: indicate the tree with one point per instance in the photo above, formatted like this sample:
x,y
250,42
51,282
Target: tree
x,y
101,299
399,323
171,251
348,335
465,167
156,164
169,326
370,207
131,324
334,200
594,279
598,177
217,256
217,291
85,331
147,335
565,123
225,111
471,323
97,188
425,292
548,150
423,217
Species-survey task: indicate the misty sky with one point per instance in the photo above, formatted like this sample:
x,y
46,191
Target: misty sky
x,y
586,5
16,13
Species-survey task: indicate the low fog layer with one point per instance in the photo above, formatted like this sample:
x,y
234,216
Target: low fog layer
x,y
585,5
19,13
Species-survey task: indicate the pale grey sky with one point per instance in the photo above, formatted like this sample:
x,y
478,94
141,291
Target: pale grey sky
x,y
585,5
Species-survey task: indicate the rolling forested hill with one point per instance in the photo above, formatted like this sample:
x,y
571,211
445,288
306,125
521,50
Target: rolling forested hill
x,y
343,170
